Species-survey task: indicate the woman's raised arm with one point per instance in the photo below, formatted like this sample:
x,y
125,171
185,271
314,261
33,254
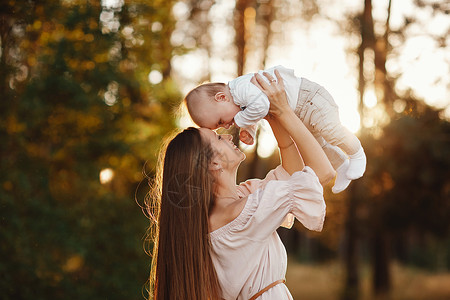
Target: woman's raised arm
x,y
290,158
286,120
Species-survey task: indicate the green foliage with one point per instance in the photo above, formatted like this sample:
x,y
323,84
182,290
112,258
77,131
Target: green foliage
x,y
403,197
407,182
76,100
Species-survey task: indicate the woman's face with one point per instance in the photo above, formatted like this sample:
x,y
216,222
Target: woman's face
x,y
227,154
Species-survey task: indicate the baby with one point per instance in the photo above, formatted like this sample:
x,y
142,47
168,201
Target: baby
x,y
214,105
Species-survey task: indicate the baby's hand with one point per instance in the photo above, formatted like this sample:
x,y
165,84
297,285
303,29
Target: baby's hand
x,y
246,137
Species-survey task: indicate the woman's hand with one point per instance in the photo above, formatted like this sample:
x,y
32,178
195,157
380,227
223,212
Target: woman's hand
x,y
275,92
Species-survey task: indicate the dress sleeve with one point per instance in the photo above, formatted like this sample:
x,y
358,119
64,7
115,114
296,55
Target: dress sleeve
x,y
301,194
252,185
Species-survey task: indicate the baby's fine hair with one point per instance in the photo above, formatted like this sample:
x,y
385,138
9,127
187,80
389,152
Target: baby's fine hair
x,y
211,89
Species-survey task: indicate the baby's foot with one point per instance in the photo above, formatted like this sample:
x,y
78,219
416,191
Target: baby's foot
x,y
341,182
357,165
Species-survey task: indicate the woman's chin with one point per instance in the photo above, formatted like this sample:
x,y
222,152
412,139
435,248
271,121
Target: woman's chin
x,y
243,157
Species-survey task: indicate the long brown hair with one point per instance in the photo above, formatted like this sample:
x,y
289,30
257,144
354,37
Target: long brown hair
x,y
181,264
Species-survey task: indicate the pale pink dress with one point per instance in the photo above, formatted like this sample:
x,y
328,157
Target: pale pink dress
x,y
247,253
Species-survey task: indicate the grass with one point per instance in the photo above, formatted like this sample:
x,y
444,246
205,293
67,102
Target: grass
x,y
325,282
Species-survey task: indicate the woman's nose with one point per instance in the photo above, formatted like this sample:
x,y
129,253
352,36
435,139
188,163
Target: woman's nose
x,y
229,137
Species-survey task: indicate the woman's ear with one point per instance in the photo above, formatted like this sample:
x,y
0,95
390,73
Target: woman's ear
x,y
215,166
220,97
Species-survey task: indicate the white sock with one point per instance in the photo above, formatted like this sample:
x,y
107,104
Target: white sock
x,y
357,165
341,182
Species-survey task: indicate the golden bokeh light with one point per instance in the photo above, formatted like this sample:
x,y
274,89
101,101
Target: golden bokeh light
x,y
106,175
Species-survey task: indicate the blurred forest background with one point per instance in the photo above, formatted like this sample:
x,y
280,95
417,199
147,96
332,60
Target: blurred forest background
x,y
89,89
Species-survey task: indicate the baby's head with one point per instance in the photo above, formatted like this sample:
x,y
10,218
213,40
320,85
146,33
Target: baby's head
x,y
211,105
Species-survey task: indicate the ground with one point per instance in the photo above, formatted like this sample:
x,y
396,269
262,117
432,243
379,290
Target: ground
x,y
324,282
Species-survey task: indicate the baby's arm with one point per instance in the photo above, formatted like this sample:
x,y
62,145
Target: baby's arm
x,y
256,106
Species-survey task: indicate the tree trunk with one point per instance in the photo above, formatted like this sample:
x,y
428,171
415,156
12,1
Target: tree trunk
x,y
198,17
240,38
381,272
384,91
383,85
240,43
351,290
269,13
264,14
5,30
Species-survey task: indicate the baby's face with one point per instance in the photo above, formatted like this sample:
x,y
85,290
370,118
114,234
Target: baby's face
x,y
214,114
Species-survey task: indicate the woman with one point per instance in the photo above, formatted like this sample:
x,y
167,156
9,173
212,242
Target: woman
x,y
216,240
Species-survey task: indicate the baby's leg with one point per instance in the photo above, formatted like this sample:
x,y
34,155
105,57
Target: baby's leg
x,y
324,119
340,163
336,156
352,146
357,165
